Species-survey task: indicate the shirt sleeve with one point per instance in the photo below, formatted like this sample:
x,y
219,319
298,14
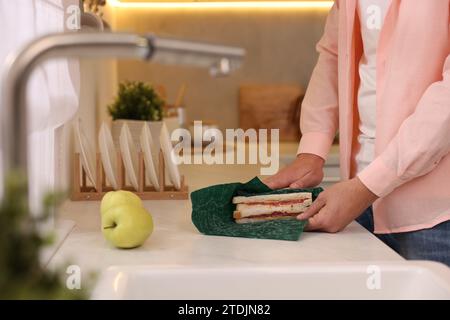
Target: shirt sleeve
x,y
420,144
319,115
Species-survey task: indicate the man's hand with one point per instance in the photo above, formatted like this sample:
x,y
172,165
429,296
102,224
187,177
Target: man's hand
x,y
305,172
338,206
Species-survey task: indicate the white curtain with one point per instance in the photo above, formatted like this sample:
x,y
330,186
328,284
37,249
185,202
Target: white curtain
x,y
52,92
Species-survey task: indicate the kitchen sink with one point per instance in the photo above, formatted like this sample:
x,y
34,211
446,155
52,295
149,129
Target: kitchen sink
x,y
390,280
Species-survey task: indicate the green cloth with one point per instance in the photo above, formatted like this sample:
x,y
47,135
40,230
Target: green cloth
x,y
212,212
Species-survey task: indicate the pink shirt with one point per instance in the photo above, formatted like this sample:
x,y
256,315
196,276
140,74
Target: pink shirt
x,y
411,169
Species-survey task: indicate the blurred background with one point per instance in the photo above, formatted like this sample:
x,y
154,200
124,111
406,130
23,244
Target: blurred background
x,y
278,36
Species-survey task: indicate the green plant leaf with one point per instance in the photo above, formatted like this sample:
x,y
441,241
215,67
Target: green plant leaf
x,y
137,100
21,274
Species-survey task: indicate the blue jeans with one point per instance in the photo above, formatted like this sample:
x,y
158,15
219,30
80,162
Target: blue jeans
x,y
428,244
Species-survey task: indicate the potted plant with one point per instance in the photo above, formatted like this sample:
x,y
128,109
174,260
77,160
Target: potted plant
x,y
94,6
136,103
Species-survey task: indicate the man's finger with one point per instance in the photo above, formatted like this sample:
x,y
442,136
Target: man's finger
x,y
314,224
303,182
277,181
282,179
314,209
299,184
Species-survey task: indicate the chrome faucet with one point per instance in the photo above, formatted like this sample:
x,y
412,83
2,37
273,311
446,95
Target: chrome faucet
x,y
220,60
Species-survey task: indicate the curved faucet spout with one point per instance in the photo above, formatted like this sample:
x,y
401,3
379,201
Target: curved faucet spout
x,y
20,66
112,45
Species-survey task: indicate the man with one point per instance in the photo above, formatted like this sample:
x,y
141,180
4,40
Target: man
x,y
383,80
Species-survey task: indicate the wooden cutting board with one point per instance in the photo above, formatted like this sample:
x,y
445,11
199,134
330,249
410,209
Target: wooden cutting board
x,y
271,107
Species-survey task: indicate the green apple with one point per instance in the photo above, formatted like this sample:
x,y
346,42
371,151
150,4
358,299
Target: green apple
x,y
116,198
127,226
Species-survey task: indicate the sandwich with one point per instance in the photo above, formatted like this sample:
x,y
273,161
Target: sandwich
x,y
271,207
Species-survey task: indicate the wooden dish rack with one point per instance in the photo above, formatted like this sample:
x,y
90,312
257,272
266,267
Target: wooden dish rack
x,y
83,192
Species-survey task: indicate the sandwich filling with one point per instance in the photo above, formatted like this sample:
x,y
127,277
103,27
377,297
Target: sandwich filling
x,y
274,214
276,203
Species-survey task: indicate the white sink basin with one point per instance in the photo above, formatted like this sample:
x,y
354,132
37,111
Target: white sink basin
x,y
399,280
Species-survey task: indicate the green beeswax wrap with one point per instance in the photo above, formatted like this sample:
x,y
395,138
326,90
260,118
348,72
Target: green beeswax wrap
x,y
212,212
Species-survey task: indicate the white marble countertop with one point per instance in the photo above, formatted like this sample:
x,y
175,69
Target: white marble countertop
x,y
175,240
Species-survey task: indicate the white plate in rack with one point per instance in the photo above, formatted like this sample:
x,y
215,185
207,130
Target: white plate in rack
x,y
168,152
108,154
148,148
129,155
87,153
